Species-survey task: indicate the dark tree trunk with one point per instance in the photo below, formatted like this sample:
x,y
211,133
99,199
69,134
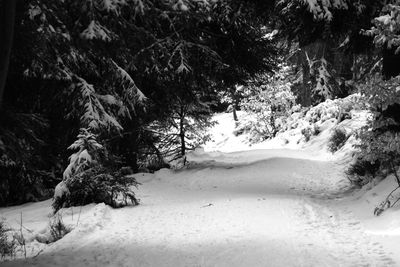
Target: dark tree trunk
x,y
128,145
391,66
7,17
182,132
304,89
306,86
235,102
182,136
234,114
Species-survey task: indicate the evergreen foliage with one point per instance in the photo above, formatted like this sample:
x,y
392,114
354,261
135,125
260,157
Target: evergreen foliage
x,y
379,145
380,138
91,177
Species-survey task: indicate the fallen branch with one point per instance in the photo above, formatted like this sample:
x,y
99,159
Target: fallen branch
x,y
386,203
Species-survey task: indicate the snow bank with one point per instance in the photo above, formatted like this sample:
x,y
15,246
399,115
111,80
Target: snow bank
x,y
36,219
306,129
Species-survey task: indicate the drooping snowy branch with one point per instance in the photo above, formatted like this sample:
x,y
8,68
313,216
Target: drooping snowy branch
x,y
131,93
95,115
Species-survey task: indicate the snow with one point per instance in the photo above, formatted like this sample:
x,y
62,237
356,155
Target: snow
x,y
321,9
385,19
96,31
276,203
61,189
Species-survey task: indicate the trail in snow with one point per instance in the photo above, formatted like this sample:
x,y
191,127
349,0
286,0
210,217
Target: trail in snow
x,y
242,205
257,208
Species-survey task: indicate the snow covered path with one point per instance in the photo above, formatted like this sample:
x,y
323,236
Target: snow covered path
x,y
255,208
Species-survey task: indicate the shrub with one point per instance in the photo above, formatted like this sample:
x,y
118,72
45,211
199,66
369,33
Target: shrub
x,y
91,177
306,132
337,140
317,130
58,229
152,163
7,247
361,172
96,185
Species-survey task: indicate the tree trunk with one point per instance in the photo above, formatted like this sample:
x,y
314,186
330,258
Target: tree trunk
x,y
7,17
306,89
305,86
128,145
234,113
235,103
182,136
182,132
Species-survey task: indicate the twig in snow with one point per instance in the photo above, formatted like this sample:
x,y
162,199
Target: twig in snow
x,y
79,216
22,239
27,229
40,251
386,203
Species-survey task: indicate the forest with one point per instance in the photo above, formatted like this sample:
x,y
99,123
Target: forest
x,y
94,92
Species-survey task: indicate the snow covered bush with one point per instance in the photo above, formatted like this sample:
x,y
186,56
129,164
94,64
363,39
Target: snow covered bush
x,y
337,140
269,100
337,109
7,247
91,177
95,185
306,124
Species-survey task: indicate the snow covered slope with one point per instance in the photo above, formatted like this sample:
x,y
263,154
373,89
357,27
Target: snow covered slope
x,y
319,122
235,204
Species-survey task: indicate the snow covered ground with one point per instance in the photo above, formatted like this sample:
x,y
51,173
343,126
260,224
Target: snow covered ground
x,y
283,202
